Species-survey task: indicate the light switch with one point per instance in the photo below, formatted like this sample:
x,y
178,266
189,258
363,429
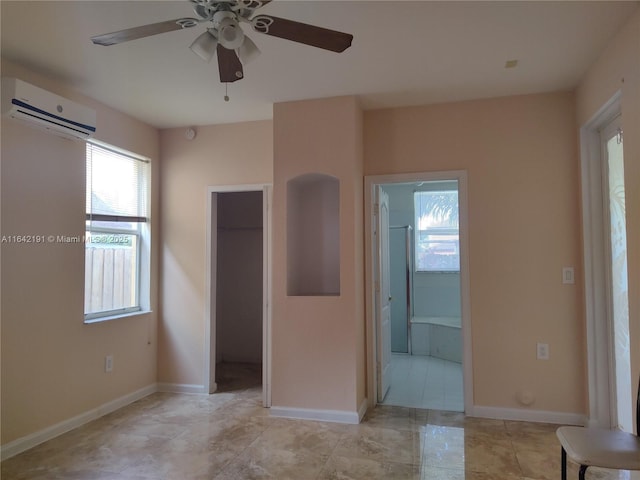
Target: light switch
x,y
568,275
542,351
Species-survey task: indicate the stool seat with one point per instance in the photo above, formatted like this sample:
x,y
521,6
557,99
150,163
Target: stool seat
x,y
599,447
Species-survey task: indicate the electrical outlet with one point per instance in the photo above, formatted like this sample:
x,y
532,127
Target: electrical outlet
x,y
568,276
542,351
108,363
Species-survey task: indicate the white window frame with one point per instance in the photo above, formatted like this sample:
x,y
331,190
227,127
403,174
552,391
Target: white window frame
x,y
434,231
142,232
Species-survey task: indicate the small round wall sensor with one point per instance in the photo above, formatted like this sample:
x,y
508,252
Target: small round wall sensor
x,y
190,133
525,397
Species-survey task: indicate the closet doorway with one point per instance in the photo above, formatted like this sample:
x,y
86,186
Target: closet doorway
x,y
238,290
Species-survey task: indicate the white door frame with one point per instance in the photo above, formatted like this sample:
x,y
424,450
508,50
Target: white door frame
x,y
210,385
600,364
370,183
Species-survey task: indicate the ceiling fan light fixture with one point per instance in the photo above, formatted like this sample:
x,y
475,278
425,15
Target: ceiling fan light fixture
x,y
205,46
248,51
230,35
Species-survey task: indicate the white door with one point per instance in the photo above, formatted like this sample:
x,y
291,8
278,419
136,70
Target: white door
x,y
384,297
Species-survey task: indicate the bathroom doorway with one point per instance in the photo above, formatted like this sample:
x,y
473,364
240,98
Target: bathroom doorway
x,y
428,287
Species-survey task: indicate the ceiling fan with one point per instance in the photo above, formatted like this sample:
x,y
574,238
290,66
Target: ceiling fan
x,y
225,37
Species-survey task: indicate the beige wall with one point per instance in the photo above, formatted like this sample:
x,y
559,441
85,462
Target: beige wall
x,y
618,69
52,363
521,156
231,154
318,341
524,226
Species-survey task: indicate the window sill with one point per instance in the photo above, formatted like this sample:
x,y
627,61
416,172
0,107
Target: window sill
x,y
419,272
138,313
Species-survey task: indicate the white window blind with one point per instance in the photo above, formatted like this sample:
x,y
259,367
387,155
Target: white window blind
x,y
116,186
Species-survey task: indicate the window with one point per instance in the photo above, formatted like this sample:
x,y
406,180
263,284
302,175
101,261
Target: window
x,y
437,242
117,233
611,138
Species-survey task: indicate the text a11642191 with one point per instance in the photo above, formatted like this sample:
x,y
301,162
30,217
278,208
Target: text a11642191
x,y
93,238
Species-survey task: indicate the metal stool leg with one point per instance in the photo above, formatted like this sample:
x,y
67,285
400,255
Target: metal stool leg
x,y
563,458
583,470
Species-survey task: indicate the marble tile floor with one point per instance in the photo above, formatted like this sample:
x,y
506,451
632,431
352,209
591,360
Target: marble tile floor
x,y
421,381
229,436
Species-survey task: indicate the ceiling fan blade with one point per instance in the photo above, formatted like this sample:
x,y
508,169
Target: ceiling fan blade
x,y
248,51
302,33
229,65
143,31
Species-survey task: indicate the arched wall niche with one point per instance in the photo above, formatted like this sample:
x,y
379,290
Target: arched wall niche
x,y
313,235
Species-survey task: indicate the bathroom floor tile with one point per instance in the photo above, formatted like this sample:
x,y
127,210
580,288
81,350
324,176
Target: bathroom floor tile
x,y
419,381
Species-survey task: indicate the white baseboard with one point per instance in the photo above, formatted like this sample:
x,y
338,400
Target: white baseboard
x,y
363,409
336,416
526,415
22,444
181,388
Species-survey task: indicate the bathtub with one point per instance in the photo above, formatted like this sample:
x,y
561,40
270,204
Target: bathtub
x,y
439,337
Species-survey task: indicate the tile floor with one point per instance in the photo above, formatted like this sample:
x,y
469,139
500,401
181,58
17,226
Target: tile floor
x,y
420,381
229,436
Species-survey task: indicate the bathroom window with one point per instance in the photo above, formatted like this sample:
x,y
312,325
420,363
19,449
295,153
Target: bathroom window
x,y
437,243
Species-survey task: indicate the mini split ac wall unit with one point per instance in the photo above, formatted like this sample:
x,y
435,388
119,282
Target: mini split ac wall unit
x,y
45,110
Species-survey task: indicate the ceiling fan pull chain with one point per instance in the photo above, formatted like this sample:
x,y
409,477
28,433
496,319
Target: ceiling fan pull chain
x,y
226,96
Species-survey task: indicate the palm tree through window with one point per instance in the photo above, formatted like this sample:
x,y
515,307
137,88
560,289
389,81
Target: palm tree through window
x,y
437,243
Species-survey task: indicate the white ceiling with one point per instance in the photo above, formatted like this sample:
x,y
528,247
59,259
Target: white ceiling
x,y
403,53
